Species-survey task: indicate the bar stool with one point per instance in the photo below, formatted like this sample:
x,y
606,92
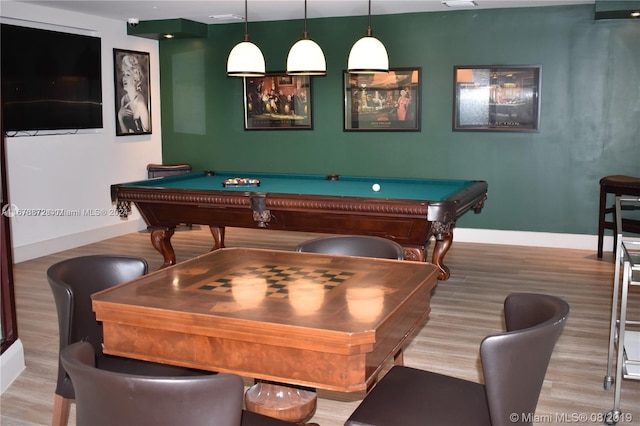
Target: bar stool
x,y
616,185
160,170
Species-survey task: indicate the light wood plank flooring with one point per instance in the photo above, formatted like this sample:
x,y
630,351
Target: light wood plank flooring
x,y
464,309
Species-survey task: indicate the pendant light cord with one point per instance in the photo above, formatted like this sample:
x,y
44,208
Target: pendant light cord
x,y
369,31
305,34
246,22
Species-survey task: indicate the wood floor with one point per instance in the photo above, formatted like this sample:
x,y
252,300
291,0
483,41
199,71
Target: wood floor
x,y
464,309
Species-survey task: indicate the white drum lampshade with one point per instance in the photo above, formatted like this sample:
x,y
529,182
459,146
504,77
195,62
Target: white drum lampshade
x,y
368,55
245,60
306,58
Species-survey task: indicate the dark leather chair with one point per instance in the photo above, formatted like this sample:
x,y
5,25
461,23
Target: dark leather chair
x,y
72,282
161,170
514,364
354,245
357,245
616,185
111,398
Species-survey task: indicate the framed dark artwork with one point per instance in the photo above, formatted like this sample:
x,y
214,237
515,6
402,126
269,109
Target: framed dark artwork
x,y
277,101
496,98
383,101
132,92
285,80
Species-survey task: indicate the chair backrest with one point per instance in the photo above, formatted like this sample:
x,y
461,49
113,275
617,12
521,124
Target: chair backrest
x,y
107,398
354,245
161,170
514,363
72,282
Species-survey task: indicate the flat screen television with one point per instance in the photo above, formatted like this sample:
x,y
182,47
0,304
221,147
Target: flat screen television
x,y
50,80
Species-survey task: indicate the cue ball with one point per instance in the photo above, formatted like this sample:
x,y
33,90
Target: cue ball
x,y
375,187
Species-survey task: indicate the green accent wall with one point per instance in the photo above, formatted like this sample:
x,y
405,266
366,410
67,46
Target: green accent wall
x,y
543,182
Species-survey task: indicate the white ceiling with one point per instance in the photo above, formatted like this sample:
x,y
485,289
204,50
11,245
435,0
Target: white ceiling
x,y
269,10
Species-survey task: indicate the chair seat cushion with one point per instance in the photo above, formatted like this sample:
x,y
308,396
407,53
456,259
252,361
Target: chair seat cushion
x,y
621,181
407,396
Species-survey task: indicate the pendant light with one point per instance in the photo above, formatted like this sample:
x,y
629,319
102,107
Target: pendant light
x,y
368,55
305,56
245,59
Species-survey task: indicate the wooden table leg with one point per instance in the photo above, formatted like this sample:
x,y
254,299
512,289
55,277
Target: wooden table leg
x,y
444,237
441,247
161,241
284,402
218,237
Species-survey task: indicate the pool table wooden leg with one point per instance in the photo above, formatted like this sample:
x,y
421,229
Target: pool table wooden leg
x,y
444,237
161,241
218,237
419,254
439,250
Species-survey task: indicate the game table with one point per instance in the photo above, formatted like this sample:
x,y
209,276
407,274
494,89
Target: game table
x,y
406,210
296,322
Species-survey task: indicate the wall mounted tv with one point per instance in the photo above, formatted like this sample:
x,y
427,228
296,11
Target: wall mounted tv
x,y
50,80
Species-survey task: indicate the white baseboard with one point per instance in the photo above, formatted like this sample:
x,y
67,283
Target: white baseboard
x,y
11,365
44,248
531,239
467,235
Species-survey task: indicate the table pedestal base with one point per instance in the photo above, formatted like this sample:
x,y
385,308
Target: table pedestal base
x,y
280,401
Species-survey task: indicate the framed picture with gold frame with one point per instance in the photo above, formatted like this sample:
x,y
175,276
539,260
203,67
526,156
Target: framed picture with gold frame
x,y
277,101
497,98
383,101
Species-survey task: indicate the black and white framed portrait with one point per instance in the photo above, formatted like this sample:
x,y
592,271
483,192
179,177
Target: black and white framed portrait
x,y
132,92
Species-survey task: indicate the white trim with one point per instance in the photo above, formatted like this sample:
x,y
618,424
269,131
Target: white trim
x,y
55,245
531,239
11,365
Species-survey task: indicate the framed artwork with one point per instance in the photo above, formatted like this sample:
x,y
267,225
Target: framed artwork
x,y
496,98
285,80
383,101
277,101
133,92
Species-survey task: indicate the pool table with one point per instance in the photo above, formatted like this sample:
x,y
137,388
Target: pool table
x,y
406,210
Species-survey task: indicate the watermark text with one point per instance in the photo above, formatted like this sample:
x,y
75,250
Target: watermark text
x,y
562,418
11,210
